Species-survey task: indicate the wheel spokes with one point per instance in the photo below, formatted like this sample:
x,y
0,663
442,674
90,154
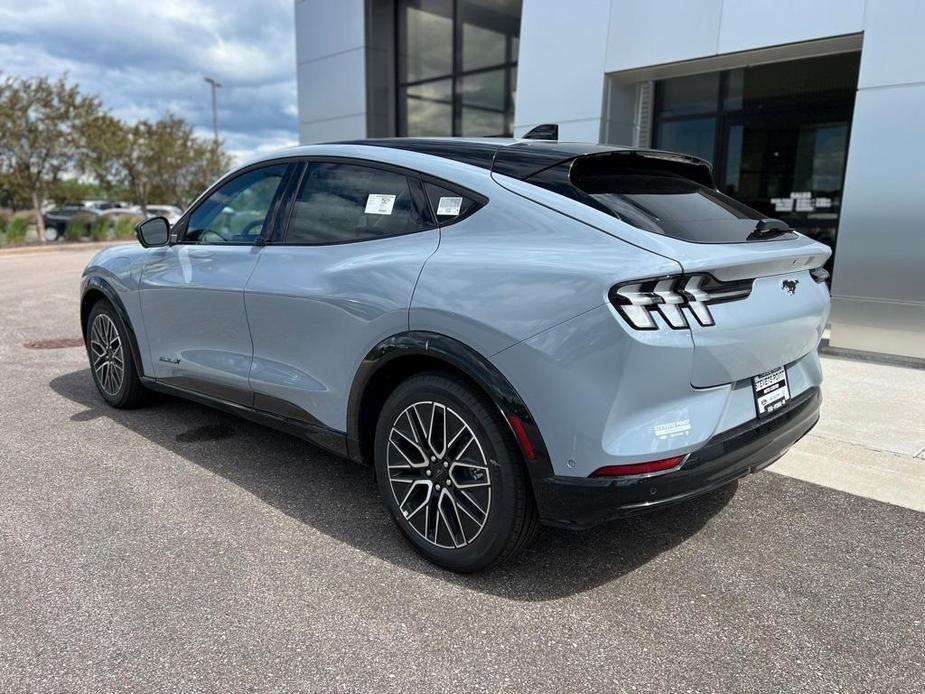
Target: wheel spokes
x,y
106,357
466,475
446,499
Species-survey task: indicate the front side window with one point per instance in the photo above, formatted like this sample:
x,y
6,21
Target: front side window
x,y
238,211
342,203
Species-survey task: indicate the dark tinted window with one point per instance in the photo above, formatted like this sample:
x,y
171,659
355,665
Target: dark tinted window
x,y
238,210
339,203
687,95
673,206
449,205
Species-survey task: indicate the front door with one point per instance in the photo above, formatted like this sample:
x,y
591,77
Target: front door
x,y
340,281
192,292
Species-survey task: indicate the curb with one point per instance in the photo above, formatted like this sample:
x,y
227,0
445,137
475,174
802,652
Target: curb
x,y
53,246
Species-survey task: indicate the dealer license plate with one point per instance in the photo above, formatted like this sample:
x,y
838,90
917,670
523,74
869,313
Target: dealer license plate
x,y
771,391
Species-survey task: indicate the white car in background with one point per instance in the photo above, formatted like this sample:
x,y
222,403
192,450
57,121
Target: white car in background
x,y
170,212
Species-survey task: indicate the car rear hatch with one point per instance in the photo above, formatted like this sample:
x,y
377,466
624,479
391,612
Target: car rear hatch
x,y
750,292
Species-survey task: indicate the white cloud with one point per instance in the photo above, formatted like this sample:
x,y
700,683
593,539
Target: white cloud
x,y
145,58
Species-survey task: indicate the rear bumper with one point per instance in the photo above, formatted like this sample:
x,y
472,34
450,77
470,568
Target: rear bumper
x,y
581,502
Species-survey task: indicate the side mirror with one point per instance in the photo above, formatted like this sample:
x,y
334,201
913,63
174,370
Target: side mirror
x,y
153,232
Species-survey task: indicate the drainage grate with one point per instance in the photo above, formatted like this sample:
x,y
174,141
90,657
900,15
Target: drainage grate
x,y
56,343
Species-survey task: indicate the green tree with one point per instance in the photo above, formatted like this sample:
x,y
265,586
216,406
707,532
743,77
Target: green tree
x,y
160,161
41,133
106,139
69,190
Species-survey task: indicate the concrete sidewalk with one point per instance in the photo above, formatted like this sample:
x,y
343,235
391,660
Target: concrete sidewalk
x,y
870,440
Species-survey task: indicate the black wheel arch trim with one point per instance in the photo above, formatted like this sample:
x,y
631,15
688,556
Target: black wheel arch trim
x,y
465,359
92,283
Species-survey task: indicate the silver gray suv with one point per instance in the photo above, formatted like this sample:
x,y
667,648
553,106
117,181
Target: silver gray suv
x,y
511,332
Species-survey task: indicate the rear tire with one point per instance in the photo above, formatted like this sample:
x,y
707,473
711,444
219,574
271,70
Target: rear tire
x,y
111,362
451,475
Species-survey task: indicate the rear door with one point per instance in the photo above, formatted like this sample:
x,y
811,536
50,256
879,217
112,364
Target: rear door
x,y
335,285
192,292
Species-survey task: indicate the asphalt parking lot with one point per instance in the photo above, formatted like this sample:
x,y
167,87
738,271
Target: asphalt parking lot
x,y
177,548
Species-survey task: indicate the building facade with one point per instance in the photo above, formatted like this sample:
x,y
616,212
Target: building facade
x,y
809,110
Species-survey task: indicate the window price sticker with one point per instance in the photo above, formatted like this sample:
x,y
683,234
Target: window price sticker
x,y
377,203
449,207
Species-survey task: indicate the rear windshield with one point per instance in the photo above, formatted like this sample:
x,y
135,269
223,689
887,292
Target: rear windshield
x,y
672,206
658,193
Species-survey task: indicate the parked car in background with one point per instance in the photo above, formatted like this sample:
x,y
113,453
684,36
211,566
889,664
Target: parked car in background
x,y
56,220
116,213
511,332
169,212
100,204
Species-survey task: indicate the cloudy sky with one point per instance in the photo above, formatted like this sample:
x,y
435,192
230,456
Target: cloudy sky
x,y
145,57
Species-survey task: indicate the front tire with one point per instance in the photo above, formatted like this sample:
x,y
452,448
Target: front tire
x,y
451,475
111,362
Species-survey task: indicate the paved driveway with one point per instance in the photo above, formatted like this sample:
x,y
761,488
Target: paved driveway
x,y
176,548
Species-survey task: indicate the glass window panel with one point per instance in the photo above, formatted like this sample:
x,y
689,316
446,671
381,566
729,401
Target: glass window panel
x,y
734,160
696,136
485,89
435,193
478,122
236,212
428,41
671,205
429,109
686,95
830,153
332,205
793,83
482,47
438,94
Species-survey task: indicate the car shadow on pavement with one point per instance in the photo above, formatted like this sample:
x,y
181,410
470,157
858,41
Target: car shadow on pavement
x,y
341,499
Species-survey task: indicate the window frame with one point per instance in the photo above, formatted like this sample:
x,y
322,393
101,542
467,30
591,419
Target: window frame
x,y
458,13
418,193
179,230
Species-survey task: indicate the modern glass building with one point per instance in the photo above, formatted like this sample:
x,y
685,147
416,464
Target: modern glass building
x,y
810,111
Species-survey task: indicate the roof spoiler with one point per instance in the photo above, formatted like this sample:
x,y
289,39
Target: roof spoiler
x,y
546,131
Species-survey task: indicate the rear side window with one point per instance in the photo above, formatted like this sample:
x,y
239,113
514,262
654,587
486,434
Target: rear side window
x,y
341,203
448,205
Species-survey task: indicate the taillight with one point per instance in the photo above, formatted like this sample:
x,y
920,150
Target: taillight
x,y
669,296
638,468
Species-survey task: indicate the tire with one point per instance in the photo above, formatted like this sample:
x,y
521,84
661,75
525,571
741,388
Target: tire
x,y
462,498
113,368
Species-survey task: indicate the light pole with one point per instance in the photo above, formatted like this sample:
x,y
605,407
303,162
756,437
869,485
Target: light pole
x,y
215,85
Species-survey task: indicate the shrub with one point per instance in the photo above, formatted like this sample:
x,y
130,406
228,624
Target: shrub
x,y
100,229
78,226
125,227
16,230
3,224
